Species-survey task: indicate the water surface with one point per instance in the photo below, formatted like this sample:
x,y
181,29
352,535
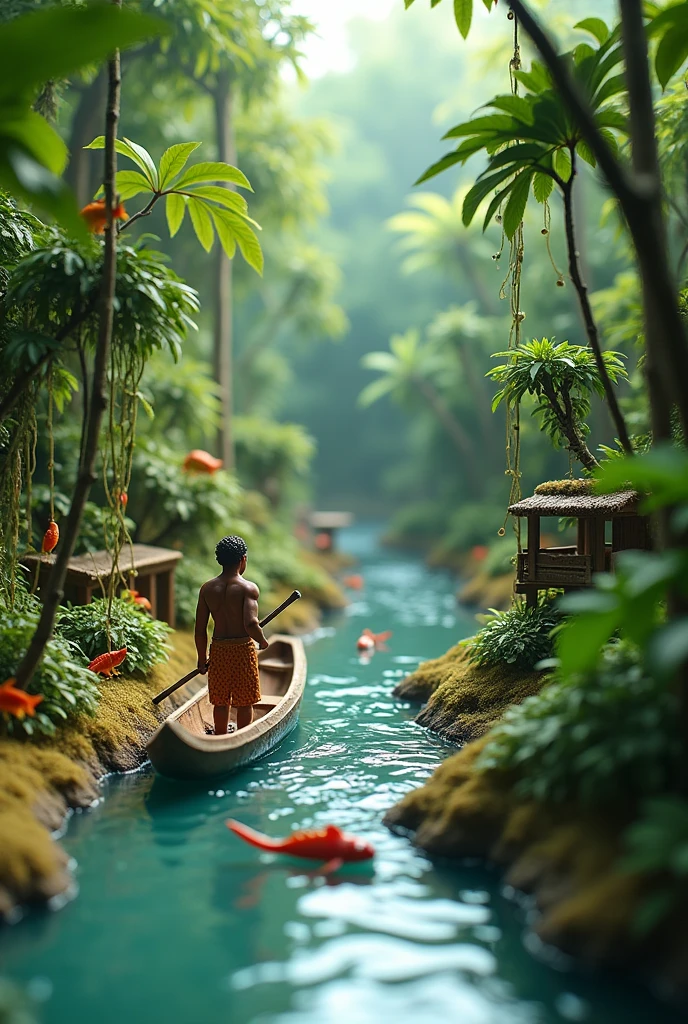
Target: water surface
x,y
177,920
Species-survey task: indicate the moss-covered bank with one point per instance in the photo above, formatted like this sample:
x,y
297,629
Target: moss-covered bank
x,y
40,780
465,700
567,858
568,861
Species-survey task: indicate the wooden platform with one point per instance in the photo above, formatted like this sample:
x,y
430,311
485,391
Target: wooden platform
x,y
150,571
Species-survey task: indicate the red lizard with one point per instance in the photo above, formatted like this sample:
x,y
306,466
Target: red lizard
x,y
329,844
106,664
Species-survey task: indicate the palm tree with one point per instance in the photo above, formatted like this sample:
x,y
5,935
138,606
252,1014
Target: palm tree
x,y
434,237
410,369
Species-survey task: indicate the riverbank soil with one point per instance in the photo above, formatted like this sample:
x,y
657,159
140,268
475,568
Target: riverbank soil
x,y
41,780
566,859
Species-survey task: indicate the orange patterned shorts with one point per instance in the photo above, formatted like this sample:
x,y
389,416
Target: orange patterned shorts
x,y
233,673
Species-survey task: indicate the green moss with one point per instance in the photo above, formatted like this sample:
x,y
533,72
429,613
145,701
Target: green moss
x,y
40,778
465,700
565,488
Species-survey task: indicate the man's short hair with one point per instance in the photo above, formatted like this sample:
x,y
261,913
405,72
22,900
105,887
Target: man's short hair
x,y
230,551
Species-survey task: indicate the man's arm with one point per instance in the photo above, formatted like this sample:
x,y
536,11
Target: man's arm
x,y
201,633
251,620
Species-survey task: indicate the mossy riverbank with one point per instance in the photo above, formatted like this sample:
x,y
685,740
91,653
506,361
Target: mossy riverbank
x,y
41,780
567,859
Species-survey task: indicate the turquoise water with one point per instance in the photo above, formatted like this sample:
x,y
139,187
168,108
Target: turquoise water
x,y
176,920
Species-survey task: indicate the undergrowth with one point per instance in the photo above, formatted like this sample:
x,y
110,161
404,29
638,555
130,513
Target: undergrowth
x,y
520,636
86,628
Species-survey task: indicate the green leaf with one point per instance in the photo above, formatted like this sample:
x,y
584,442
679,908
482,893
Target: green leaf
x,y
135,153
129,184
34,134
580,641
213,171
175,208
224,233
202,224
561,162
542,186
517,106
596,27
173,161
442,165
516,206
463,13
671,52
482,188
246,238
54,43
223,196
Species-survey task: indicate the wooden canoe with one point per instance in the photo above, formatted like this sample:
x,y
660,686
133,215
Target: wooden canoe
x,y
181,748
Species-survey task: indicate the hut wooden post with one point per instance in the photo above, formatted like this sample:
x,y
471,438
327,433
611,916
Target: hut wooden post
x,y
533,549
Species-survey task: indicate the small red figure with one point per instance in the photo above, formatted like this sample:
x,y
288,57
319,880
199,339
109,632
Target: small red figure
x,y
354,582
105,664
323,541
50,537
94,215
17,702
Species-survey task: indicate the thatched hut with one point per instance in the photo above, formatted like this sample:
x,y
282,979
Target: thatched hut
x,y
572,566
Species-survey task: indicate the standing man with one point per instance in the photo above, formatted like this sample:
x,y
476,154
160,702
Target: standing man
x,y
232,667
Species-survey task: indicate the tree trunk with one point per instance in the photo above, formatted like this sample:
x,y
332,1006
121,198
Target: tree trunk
x,y
586,310
98,400
223,328
85,125
482,293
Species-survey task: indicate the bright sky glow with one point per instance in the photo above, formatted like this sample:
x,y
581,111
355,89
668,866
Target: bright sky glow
x,y
328,49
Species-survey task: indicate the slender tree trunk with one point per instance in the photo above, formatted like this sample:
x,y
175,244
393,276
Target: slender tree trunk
x,y
567,424
586,310
223,330
455,431
98,400
85,125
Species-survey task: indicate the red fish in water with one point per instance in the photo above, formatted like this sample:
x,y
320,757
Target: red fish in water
x,y
323,541
50,537
201,462
329,844
354,582
377,638
94,215
105,664
365,642
18,702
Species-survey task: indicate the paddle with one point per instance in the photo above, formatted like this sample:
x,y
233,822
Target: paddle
x,y
294,596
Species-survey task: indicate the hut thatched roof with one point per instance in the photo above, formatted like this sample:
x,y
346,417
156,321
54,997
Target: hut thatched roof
x,y
619,504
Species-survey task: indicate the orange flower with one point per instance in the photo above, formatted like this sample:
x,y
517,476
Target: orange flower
x,y
94,215
201,462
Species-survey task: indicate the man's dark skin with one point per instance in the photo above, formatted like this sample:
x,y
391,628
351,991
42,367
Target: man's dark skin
x,y
233,603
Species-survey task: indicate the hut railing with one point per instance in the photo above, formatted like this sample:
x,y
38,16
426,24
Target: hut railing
x,y
556,569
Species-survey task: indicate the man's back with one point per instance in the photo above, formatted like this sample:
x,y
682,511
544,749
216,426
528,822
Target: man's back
x,y
225,599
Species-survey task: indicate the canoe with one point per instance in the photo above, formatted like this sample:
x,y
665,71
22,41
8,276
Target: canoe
x,y
181,747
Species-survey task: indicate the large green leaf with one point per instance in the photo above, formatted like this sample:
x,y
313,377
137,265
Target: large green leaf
x,y
174,159
442,165
673,47
140,156
175,208
516,205
212,171
223,196
596,27
245,236
129,184
53,43
202,223
463,14
224,233
482,188
542,187
33,133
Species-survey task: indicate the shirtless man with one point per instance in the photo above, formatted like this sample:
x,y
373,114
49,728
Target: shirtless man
x,y
232,667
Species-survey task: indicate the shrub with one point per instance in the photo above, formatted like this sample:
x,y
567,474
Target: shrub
x,y
595,738
67,687
86,628
520,636
657,843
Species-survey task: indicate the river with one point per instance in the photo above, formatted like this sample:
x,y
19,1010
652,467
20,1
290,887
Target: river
x,y
177,920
